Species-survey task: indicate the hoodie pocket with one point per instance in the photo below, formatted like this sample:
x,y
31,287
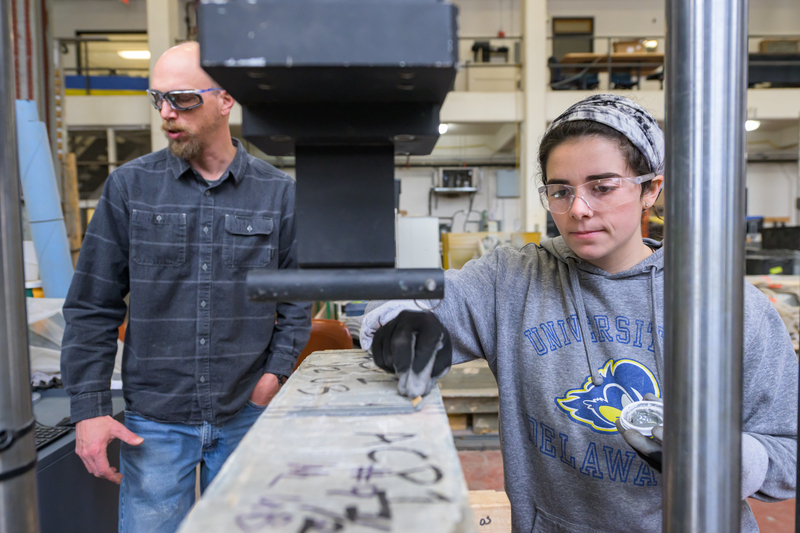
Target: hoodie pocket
x,y
547,523
247,241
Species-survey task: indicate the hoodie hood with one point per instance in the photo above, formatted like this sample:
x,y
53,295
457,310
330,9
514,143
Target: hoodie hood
x,y
648,267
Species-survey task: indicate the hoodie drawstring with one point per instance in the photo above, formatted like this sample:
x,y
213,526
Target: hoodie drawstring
x,y
597,379
577,295
656,338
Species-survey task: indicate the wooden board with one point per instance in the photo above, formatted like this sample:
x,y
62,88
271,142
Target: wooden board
x,y
485,423
470,379
457,422
492,510
470,388
72,212
333,458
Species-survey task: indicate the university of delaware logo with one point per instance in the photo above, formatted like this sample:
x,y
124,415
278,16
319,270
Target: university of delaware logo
x,y
624,381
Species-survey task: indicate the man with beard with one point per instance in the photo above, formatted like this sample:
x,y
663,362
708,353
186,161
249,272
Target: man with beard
x,y
177,230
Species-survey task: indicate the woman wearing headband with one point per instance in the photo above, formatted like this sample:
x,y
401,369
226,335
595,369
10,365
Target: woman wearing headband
x,y
573,332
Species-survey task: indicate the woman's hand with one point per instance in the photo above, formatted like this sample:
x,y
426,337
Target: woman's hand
x,y
417,348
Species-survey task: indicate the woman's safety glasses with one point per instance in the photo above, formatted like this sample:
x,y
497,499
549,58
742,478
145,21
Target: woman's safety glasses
x,y
179,100
600,195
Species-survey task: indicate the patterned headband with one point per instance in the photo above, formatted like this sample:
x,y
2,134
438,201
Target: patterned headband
x,y
625,116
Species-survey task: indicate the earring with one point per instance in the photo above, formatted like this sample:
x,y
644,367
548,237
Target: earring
x,y
647,205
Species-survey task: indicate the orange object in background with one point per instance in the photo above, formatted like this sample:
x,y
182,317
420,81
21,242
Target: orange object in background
x,y
122,331
646,223
326,335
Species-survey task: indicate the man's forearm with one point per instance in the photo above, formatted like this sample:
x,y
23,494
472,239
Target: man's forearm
x,y
291,333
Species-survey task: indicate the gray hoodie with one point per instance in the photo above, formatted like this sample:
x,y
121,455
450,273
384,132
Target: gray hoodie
x,y
570,345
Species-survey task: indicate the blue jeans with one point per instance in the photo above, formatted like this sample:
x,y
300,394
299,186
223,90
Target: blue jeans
x,y
159,475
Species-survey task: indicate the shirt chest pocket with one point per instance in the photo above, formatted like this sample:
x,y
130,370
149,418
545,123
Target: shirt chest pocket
x,y
247,241
158,238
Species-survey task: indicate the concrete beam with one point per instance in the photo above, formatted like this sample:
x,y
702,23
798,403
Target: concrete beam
x,y
339,449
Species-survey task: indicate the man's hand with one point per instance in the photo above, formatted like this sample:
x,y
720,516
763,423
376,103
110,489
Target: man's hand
x,y
266,389
92,437
417,348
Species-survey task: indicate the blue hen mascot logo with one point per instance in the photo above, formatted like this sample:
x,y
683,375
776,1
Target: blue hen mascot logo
x,y
624,381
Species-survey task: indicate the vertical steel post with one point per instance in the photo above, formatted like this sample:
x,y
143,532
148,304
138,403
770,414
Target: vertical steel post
x,y
18,507
797,217
705,113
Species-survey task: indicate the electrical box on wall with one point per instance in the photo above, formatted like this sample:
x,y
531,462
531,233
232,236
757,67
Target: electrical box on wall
x,y
507,184
458,178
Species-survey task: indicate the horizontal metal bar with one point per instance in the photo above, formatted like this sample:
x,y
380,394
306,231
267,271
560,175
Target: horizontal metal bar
x,y
344,284
605,64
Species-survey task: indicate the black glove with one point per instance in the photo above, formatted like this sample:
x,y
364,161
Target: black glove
x,y
417,348
650,450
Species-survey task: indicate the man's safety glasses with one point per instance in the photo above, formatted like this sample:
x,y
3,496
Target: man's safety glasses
x,y
179,100
600,195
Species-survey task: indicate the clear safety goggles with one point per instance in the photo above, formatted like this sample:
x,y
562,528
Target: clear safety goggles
x,y
600,195
179,100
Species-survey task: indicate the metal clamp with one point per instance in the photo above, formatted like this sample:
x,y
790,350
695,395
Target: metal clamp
x,y
9,436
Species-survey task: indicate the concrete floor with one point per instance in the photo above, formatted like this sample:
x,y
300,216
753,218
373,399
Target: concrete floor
x,y
483,470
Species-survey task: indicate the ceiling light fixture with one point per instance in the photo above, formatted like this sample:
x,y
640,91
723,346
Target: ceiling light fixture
x,y
751,125
134,54
442,129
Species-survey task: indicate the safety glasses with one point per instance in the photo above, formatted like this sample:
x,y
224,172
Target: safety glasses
x,y
600,195
178,100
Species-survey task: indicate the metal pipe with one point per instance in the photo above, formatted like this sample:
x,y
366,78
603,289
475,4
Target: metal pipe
x,y
344,284
18,500
706,86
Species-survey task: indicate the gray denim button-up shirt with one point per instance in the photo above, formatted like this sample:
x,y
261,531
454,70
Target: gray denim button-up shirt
x,y
181,246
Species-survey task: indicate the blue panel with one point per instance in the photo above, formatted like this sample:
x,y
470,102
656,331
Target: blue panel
x,y
42,202
108,83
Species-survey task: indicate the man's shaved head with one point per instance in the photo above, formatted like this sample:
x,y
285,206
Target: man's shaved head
x,y
181,64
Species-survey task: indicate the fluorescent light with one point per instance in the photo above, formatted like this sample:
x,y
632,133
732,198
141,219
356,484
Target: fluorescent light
x,y
652,43
442,129
751,125
134,54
